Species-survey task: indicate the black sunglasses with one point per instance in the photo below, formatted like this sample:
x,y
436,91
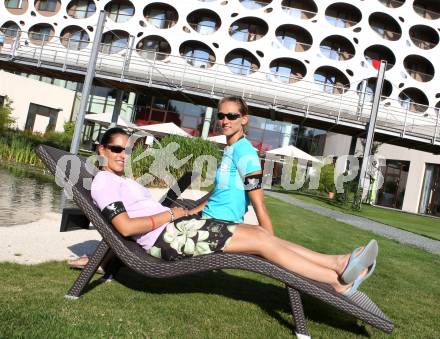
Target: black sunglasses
x,y
230,116
115,148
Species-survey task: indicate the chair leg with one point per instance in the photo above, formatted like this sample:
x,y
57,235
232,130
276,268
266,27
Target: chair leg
x,y
113,264
88,271
298,314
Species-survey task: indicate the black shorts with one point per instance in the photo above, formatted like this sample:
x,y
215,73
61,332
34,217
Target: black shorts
x,y
191,236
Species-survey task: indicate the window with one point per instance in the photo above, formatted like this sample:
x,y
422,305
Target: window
x,y
120,12
113,43
14,4
240,65
286,38
197,57
153,47
41,33
205,25
82,9
327,82
77,40
284,72
47,5
161,18
245,31
10,29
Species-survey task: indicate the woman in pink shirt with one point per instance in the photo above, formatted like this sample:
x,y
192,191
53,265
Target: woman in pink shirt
x,y
177,233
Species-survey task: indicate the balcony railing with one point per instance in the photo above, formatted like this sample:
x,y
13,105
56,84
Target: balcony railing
x,y
203,29
9,32
294,45
198,62
287,79
80,13
37,36
335,54
387,34
420,76
329,104
119,16
113,48
75,44
250,4
426,13
244,35
339,22
423,43
298,13
160,23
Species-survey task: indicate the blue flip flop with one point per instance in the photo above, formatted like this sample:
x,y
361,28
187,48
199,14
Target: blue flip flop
x,y
356,264
359,280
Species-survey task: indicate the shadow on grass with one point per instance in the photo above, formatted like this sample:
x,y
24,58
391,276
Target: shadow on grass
x,y
272,299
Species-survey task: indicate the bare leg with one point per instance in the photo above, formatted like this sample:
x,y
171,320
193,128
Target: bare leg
x,y
334,262
253,240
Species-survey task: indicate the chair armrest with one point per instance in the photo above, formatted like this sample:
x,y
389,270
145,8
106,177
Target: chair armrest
x,y
181,185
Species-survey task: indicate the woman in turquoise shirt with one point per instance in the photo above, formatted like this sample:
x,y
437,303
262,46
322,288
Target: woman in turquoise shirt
x,y
238,178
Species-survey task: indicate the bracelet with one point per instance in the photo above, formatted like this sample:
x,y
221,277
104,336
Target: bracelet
x,y
172,215
152,222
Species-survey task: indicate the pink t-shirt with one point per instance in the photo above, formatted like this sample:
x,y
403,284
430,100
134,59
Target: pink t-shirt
x,y
108,188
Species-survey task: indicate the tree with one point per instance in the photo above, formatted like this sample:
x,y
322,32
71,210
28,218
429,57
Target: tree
x,y
6,119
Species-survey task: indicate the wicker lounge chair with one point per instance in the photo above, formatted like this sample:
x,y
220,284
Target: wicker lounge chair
x,y
133,256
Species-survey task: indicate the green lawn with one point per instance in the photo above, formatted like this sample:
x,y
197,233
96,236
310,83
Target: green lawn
x,y
419,224
223,304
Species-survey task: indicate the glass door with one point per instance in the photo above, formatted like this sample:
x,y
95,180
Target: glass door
x,y
430,197
392,192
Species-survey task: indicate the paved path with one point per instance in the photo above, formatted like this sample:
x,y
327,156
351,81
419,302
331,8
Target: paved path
x,y
401,236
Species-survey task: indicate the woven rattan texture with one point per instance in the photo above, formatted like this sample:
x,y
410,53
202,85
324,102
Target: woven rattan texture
x,y
132,255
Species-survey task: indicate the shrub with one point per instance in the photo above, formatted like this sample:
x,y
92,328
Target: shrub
x,y
6,119
327,178
19,146
187,146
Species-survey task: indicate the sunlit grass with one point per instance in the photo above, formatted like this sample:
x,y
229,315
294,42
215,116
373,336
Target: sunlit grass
x,y
415,223
223,304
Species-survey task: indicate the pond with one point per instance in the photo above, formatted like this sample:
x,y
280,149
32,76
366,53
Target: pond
x,y
26,196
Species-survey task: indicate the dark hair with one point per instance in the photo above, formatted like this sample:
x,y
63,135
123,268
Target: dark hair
x,y
242,106
108,135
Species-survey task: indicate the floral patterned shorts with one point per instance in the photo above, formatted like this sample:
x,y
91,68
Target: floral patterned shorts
x,y
191,236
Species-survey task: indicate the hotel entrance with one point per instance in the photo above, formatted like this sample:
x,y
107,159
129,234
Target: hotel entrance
x,y
395,175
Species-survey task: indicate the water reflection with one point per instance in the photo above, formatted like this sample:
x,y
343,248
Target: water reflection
x,y
26,196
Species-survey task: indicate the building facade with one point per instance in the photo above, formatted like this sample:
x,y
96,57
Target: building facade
x,y
330,47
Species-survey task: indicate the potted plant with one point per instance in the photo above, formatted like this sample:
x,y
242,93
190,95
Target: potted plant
x,y
327,180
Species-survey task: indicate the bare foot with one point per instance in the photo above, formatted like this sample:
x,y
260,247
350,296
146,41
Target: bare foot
x,y
343,261
341,287
78,262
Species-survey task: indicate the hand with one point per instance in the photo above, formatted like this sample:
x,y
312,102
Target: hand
x,y
179,212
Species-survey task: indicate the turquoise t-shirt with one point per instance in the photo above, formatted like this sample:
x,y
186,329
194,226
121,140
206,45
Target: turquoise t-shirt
x,y
229,200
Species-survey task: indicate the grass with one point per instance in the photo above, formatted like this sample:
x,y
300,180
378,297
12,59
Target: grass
x,y
415,223
223,304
